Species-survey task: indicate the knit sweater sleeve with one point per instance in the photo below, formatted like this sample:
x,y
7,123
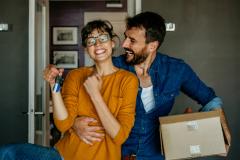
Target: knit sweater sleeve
x,y
126,114
69,92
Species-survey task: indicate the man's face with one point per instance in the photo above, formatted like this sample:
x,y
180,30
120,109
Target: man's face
x,y
135,46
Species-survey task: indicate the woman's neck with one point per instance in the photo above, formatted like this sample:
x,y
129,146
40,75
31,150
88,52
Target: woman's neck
x,y
104,69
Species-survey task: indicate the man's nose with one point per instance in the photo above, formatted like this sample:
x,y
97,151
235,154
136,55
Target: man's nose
x,y
125,43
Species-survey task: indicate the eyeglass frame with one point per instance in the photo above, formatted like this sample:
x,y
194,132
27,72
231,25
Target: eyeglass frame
x,y
97,38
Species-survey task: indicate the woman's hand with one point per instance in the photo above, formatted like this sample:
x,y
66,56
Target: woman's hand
x,y
51,72
93,85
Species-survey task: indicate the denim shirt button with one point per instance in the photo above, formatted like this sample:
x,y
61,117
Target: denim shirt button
x,y
143,128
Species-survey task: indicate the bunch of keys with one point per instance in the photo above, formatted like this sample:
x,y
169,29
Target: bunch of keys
x,y
58,83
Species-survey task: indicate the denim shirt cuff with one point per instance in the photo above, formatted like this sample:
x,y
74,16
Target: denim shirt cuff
x,y
213,104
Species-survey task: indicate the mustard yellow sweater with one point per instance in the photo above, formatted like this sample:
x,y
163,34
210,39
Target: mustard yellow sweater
x,y
119,91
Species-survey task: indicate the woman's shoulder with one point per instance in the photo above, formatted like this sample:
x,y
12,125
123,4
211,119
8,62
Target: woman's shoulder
x,y
126,74
79,73
127,79
80,70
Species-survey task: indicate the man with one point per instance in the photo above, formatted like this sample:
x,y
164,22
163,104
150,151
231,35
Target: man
x,y
161,79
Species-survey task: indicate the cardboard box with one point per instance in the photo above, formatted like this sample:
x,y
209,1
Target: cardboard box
x,y
192,135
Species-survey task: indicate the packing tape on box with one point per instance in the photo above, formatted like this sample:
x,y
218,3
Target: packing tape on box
x,y
192,125
195,150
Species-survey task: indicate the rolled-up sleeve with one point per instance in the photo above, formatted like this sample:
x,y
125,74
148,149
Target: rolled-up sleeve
x,y
215,103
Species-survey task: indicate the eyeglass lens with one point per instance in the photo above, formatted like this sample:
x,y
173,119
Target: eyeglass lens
x,y
93,40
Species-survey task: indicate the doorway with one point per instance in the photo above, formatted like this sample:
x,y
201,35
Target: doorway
x,y
43,16
38,100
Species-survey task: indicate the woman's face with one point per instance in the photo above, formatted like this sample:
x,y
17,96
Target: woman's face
x,y
99,46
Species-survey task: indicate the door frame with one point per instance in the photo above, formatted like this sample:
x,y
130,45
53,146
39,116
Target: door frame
x,y
134,7
33,70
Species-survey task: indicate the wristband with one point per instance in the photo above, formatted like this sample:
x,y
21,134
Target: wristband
x,y
57,85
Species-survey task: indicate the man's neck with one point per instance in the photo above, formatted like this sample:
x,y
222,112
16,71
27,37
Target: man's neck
x,y
148,62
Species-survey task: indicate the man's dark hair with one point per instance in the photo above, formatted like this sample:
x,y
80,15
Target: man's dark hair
x,y
153,23
100,25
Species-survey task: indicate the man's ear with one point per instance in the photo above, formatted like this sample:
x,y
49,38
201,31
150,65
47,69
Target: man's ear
x,y
153,46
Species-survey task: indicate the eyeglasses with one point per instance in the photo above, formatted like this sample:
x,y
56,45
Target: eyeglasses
x,y
90,41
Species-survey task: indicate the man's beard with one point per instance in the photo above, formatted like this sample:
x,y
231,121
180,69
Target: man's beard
x,y
137,58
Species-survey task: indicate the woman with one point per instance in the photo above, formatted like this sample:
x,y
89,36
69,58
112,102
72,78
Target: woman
x,y
103,92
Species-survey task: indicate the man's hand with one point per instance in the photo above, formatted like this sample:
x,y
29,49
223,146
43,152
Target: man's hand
x,y
143,76
142,72
86,133
188,110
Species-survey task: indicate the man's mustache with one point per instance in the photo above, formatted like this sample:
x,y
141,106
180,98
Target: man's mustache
x,y
129,51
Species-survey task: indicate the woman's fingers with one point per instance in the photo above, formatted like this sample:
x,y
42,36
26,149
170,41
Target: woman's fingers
x,y
51,72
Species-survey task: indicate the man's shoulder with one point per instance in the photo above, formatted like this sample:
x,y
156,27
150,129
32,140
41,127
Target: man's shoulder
x,y
119,61
172,63
169,59
169,62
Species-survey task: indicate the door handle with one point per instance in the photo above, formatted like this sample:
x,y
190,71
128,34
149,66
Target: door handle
x,y
35,113
39,113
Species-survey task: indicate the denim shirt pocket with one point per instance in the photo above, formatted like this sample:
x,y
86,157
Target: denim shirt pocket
x,y
167,96
164,101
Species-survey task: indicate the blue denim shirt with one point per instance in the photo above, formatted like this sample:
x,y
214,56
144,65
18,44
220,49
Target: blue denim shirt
x,y
169,76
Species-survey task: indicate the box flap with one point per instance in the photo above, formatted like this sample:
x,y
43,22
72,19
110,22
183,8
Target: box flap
x,y
188,117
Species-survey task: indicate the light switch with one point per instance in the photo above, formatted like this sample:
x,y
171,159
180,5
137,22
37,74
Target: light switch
x,y
4,27
170,26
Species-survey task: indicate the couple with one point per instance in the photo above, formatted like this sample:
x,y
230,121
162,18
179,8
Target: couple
x,y
161,78
109,93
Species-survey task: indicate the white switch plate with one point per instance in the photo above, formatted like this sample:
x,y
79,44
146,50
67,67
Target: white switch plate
x,y
170,26
3,27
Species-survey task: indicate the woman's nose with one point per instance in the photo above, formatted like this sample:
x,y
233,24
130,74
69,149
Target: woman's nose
x,y
97,42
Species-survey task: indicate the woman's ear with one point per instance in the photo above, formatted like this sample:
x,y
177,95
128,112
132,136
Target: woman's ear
x,y
113,44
